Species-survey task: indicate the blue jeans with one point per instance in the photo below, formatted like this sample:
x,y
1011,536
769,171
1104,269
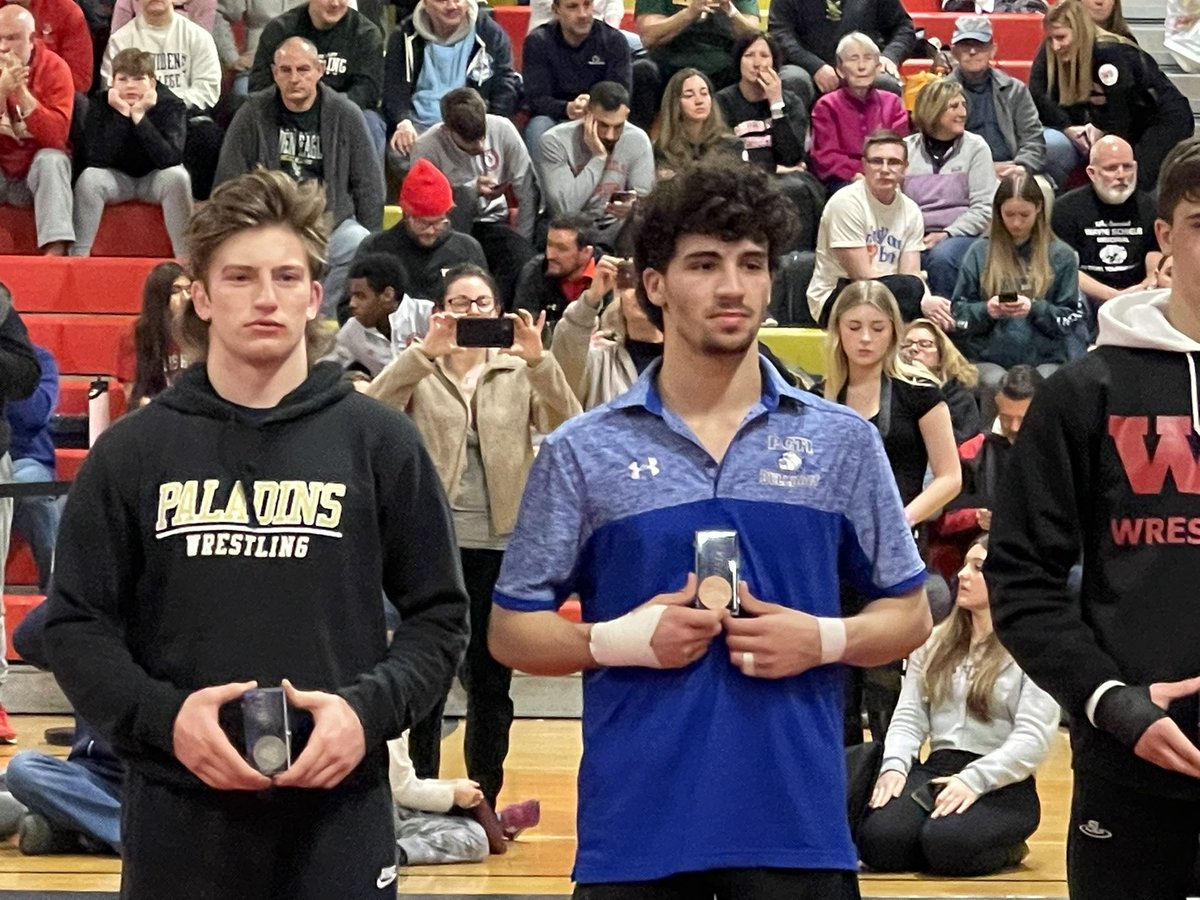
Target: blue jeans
x,y
1062,157
71,794
942,262
534,129
378,129
36,518
343,244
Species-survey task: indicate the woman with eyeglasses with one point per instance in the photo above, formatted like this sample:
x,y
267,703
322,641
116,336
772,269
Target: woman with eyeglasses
x,y
475,408
926,344
951,178
968,809
1089,82
1017,298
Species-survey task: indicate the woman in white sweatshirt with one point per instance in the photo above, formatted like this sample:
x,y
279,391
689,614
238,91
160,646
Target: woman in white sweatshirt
x,y
968,808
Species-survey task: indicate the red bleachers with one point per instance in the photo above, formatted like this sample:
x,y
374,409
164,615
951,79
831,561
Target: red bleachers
x,y
127,229
42,284
16,608
83,344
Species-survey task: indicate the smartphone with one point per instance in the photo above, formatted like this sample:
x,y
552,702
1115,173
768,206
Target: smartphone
x,y
926,796
626,275
1009,297
623,196
475,332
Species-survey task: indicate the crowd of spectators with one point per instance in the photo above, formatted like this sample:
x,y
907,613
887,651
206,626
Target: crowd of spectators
x,y
958,254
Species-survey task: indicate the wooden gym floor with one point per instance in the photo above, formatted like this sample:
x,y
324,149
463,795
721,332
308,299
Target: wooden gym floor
x,y
542,764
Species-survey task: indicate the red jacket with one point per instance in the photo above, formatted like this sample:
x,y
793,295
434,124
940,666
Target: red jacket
x,y
62,27
48,124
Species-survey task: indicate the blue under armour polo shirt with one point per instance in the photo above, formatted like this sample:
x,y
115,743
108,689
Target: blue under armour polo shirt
x,y
701,768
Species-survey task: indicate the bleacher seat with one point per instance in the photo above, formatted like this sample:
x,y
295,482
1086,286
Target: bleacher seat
x,y
16,608
42,284
83,344
803,347
127,229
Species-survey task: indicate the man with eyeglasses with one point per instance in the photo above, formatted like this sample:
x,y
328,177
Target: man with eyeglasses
x,y
1110,223
870,230
312,133
423,241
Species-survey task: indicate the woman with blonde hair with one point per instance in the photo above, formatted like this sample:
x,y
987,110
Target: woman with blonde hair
x,y
1089,82
926,344
950,177
1017,299
864,370
969,807
690,124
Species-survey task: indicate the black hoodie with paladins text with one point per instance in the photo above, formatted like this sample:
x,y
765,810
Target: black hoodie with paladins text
x,y
204,543
1107,466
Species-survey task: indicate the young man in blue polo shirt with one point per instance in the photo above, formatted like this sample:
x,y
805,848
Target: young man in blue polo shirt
x,y
713,761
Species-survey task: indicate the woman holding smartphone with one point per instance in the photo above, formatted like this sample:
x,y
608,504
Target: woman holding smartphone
x,y
1017,297
969,807
474,407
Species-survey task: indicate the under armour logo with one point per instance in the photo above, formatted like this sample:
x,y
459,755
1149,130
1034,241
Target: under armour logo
x,y
1093,830
651,466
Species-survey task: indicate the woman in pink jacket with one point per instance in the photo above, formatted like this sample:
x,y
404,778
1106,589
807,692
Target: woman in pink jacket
x,y
842,119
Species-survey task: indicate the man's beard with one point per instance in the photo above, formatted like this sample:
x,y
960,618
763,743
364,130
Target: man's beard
x,y
1115,196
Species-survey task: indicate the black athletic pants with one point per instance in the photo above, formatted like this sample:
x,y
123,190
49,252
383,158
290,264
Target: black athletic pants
x,y
901,837
290,844
1125,845
732,884
489,705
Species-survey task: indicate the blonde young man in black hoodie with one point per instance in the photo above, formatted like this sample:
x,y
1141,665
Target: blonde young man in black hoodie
x,y
236,533
1107,465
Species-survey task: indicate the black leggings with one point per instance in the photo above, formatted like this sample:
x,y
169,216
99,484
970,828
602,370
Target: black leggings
x,y
901,837
732,884
1123,844
489,705
288,844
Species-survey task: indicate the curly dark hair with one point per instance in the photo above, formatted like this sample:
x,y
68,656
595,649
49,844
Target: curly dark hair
x,y
727,199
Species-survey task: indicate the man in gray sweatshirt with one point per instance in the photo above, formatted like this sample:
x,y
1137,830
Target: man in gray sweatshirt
x,y
598,165
312,133
488,166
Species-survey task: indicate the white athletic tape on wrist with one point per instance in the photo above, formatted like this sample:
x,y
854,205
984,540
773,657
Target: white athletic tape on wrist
x,y
833,639
625,641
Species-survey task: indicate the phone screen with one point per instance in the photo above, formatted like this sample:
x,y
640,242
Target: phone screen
x,y
476,332
926,796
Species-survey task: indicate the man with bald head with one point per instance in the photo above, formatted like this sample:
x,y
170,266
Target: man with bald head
x,y
314,134
36,97
350,48
1110,223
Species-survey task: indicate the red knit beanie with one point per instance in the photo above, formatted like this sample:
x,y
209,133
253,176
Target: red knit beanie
x,y
426,191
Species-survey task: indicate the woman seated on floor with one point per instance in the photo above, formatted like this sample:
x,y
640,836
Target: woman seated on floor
x,y
969,808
